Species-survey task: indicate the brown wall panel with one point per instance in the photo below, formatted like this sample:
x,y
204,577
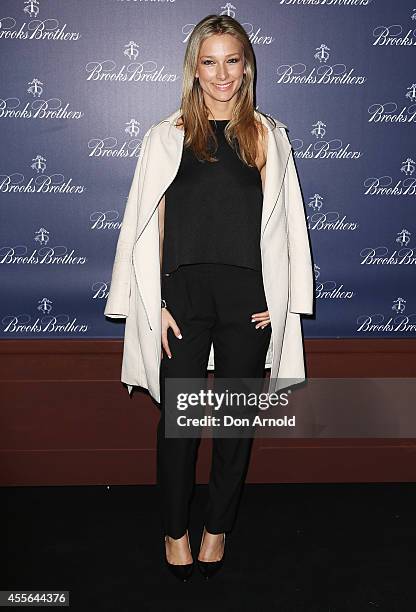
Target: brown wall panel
x,y
67,419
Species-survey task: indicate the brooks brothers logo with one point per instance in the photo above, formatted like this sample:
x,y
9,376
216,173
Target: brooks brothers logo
x,y
45,254
35,29
396,323
323,73
383,185
110,146
105,220
100,290
43,321
320,220
387,112
323,148
330,289
253,31
327,2
394,36
402,255
39,108
42,183
135,70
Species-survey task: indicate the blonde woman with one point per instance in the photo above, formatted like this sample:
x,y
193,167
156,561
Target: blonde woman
x,y
224,241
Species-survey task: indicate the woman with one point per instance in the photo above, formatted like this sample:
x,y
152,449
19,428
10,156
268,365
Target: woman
x,y
210,228
211,220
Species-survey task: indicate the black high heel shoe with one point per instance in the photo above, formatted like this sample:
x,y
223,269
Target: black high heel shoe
x,y
209,568
182,572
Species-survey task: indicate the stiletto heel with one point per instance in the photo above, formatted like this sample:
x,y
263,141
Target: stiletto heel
x,y
209,568
182,572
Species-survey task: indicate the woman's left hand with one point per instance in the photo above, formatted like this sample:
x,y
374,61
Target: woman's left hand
x,y
262,319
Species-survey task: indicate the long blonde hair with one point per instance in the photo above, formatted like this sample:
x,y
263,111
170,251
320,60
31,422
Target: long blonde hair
x,y
242,129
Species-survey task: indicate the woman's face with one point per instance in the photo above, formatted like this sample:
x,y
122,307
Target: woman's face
x,y
220,67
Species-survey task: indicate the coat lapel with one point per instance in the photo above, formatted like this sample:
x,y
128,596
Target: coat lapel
x,y
166,144
278,151
163,165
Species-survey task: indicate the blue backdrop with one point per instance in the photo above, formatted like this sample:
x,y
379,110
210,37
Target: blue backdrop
x,y
82,82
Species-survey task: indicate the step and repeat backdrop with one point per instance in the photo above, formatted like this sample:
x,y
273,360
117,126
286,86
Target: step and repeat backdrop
x,y
82,81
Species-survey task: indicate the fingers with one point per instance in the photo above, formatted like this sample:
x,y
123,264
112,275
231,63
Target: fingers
x,y
263,324
176,329
165,345
168,321
265,313
261,318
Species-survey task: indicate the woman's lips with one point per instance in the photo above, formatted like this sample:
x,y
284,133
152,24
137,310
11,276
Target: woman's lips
x,y
223,87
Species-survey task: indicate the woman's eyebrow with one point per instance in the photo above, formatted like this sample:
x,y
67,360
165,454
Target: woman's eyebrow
x,y
228,55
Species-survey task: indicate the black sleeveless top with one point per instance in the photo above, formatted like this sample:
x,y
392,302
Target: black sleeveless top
x,y
213,210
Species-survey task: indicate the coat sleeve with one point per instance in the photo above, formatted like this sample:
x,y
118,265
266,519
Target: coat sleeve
x,y
301,279
117,305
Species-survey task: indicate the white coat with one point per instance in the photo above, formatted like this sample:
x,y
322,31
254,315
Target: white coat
x,y
135,290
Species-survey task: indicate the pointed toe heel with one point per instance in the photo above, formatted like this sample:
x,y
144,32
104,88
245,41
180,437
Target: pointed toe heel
x,y
209,568
181,572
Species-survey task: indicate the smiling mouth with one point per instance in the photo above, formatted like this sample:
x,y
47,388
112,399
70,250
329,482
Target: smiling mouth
x,y
224,86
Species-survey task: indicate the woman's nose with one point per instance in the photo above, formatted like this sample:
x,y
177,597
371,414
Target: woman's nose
x,y
221,74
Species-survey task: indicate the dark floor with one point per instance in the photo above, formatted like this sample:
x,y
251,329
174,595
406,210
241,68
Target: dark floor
x,y
294,548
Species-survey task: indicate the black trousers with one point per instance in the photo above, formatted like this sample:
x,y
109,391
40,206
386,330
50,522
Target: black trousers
x,y
210,303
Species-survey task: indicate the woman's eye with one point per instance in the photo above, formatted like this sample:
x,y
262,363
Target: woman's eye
x,y
233,60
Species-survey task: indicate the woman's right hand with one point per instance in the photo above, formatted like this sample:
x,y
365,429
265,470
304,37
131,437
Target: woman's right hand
x,y
168,321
